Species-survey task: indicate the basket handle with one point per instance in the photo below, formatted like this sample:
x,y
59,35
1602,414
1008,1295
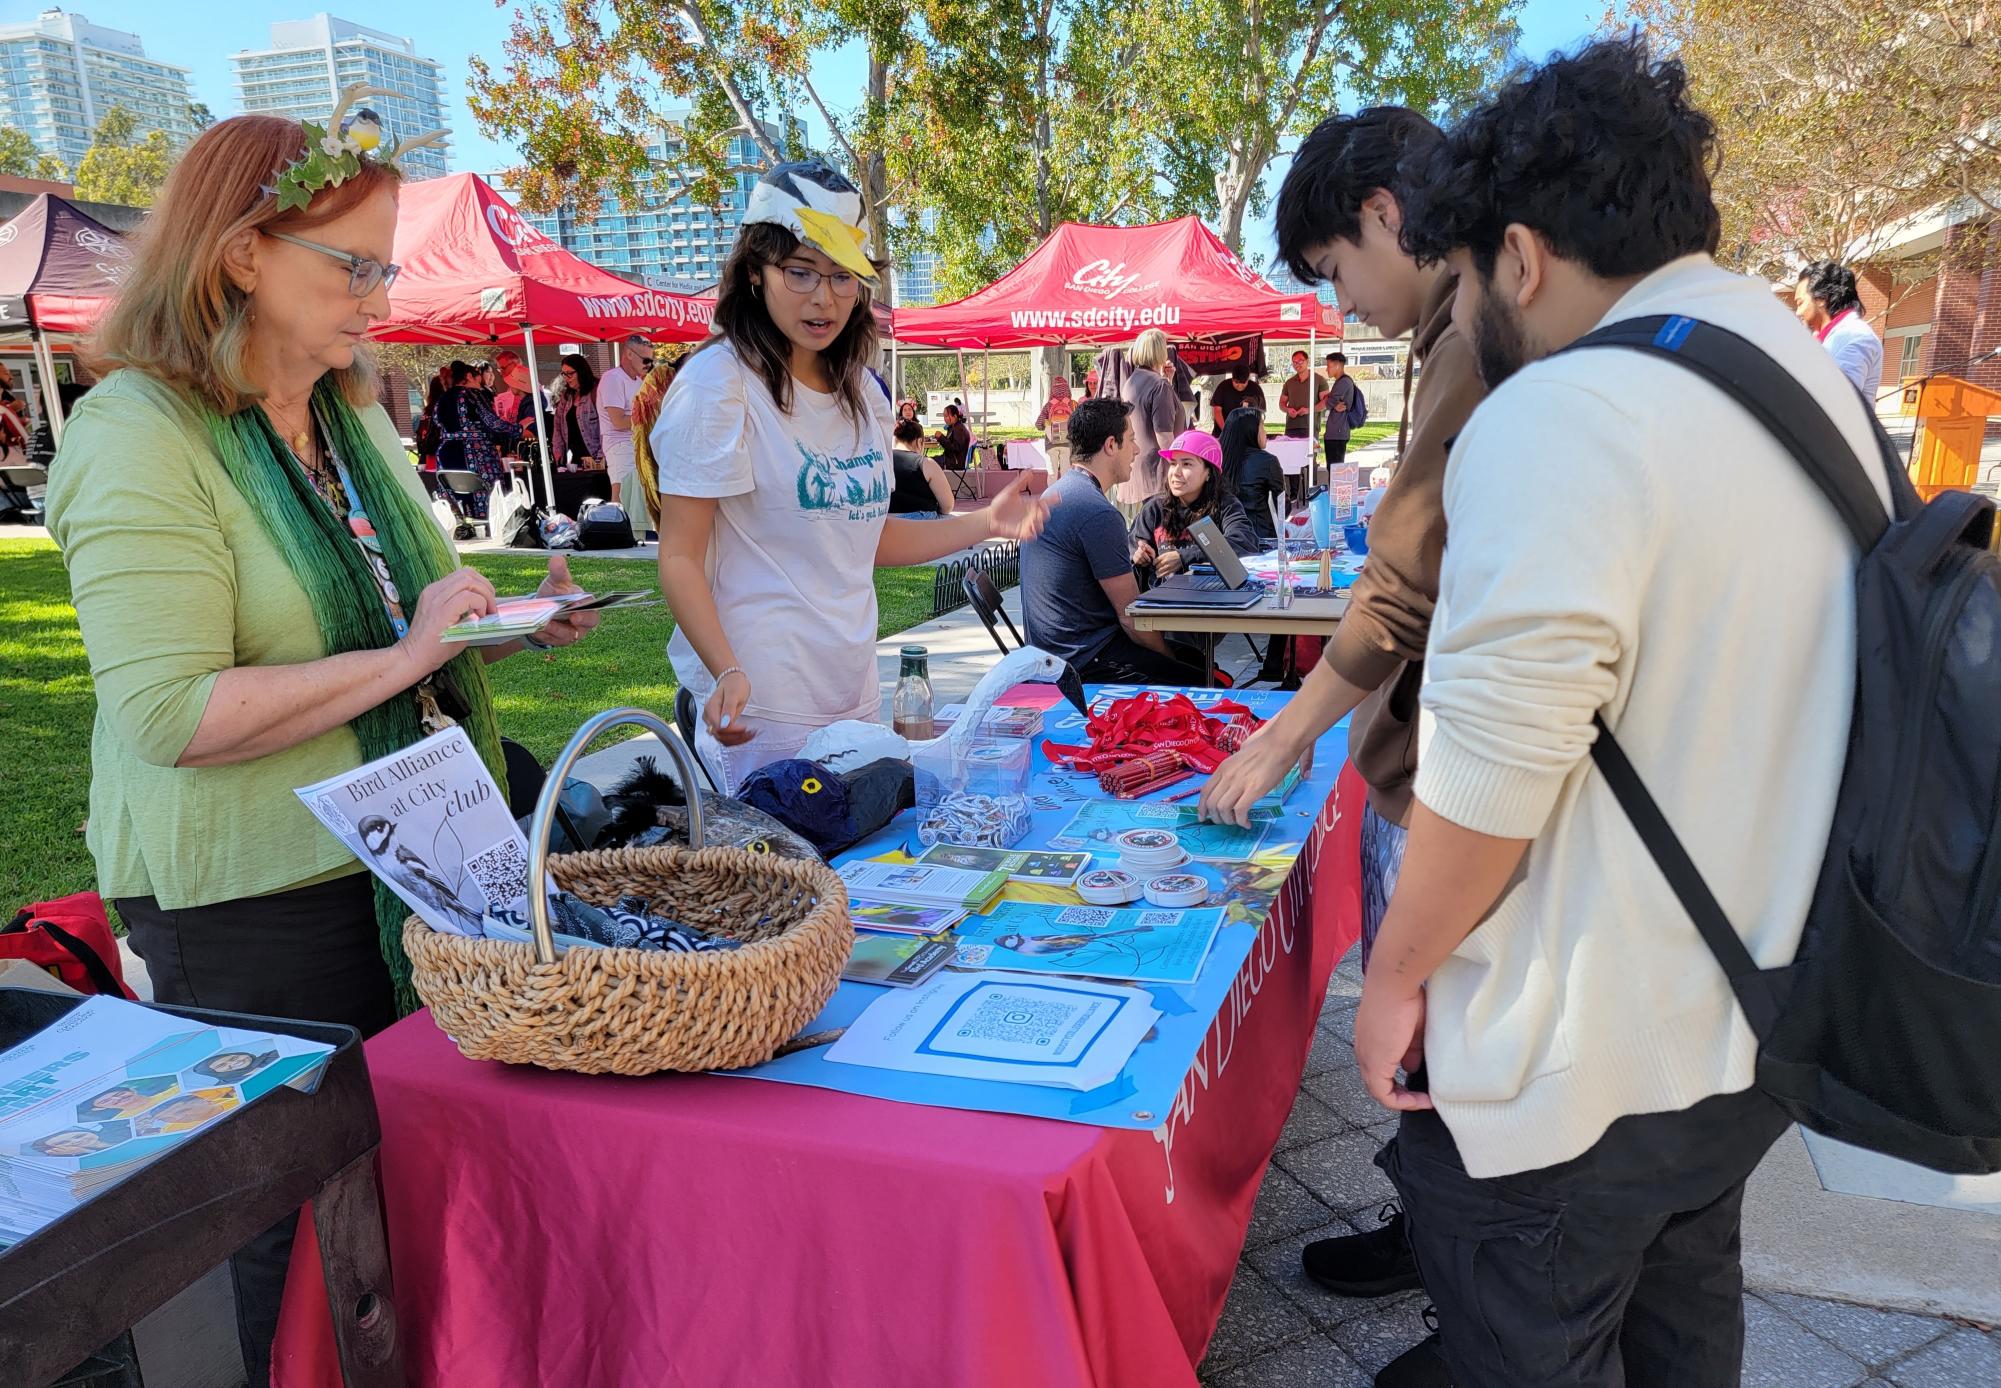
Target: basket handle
x,y
544,821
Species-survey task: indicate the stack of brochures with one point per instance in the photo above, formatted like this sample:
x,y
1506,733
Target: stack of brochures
x,y
920,884
514,618
112,1087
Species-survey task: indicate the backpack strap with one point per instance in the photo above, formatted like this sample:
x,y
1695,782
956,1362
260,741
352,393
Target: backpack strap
x,y
1747,981
1770,394
1780,403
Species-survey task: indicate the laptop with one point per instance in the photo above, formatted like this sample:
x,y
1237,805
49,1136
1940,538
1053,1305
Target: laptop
x,y
1230,588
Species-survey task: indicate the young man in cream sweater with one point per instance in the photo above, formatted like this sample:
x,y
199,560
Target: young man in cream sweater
x,y
1578,1120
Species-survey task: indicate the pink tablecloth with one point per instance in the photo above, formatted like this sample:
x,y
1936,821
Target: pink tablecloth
x,y
688,1231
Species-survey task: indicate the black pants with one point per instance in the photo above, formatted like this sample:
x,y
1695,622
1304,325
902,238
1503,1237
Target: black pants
x,y
1125,661
1618,1269
1337,449
311,954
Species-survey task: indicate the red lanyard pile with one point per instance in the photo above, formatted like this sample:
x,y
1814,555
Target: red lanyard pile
x,y
1130,729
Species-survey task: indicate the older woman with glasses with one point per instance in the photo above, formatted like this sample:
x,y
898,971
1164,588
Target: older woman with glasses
x,y
263,601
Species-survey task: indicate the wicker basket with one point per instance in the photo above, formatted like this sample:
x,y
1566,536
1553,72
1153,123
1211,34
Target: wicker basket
x,y
635,1011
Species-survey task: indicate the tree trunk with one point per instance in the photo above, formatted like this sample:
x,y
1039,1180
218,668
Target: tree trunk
x,y
875,175
1233,196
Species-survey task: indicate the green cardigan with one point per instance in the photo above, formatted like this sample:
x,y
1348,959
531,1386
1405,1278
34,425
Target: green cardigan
x,y
175,582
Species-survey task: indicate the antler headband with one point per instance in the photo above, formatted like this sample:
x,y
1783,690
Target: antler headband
x,y
333,158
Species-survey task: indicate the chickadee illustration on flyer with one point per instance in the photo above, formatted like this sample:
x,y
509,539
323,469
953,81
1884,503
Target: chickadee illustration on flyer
x,y
430,821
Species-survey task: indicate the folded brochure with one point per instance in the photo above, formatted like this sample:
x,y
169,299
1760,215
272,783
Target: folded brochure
x,y
915,884
431,822
1037,869
900,962
513,618
1067,1033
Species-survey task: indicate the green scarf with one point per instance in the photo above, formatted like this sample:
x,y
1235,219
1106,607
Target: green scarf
x,y
346,601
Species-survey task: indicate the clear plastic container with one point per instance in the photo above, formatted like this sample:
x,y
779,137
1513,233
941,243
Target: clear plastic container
x,y
978,798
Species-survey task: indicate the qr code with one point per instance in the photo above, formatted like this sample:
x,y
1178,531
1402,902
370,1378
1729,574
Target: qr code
x,y
1085,915
1016,1021
331,816
502,873
1159,918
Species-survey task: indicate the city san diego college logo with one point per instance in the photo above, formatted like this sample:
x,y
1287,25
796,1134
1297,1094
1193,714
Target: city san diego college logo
x,y
1105,280
113,256
507,224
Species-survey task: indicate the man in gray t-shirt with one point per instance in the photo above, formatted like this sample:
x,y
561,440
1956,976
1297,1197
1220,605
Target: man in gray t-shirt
x,y
1077,575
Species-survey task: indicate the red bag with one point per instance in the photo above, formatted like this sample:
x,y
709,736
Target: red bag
x,y
1148,723
71,938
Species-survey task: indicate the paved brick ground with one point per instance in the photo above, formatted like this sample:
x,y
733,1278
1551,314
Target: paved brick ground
x,y
1280,1331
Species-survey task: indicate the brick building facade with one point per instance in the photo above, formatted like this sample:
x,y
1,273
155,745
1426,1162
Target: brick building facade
x,y
1943,311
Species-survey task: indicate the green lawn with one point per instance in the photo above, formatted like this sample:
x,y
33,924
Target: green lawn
x,y
46,706
1373,433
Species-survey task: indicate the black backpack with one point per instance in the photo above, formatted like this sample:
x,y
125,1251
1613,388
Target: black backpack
x,y
1885,1030
603,525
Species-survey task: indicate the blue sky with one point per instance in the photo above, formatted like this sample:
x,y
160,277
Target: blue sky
x,y
454,30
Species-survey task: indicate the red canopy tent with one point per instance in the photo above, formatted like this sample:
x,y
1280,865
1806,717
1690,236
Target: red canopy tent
x,y
59,267
1100,284
474,271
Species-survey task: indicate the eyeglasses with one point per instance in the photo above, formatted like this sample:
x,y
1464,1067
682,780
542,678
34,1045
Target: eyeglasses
x,y
801,279
363,274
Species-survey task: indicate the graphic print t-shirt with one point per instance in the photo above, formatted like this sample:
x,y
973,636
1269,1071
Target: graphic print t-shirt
x,y
801,502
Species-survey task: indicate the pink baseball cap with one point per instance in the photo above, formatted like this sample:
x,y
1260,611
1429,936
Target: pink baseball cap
x,y
1199,442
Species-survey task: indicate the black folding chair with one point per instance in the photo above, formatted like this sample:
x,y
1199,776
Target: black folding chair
x,y
986,601
461,488
17,493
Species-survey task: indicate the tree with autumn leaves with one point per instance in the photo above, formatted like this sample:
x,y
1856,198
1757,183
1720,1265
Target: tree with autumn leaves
x,y
1839,119
981,125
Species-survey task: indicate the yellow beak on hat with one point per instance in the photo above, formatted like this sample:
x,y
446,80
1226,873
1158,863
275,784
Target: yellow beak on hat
x,y
845,245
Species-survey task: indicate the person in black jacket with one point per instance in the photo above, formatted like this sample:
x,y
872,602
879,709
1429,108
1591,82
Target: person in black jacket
x,y
1192,488
1250,474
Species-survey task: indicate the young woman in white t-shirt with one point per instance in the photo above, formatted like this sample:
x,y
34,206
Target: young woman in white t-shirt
x,y
775,475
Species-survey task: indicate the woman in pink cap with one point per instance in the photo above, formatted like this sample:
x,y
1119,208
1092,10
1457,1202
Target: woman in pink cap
x,y
1193,488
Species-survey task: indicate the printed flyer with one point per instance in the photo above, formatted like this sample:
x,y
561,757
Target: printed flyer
x,y
430,821
1138,945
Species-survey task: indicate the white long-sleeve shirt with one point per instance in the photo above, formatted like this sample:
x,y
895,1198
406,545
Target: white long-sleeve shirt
x,y
1857,351
1624,538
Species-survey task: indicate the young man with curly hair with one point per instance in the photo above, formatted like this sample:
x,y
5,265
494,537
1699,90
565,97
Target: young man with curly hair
x,y
1578,1116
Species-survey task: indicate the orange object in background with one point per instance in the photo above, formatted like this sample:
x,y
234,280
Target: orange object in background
x,y
1952,421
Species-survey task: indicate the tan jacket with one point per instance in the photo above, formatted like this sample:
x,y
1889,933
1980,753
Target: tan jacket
x,y
1379,645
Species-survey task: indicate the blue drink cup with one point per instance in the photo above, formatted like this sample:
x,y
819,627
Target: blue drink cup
x,y
1357,537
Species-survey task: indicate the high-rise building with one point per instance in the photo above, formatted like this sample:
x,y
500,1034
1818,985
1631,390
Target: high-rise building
x,y
311,61
60,74
678,244
917,272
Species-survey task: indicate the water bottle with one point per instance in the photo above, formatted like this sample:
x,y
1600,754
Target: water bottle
x,y
910,705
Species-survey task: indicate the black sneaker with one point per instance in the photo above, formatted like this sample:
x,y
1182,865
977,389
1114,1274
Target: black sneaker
x,y
1372,1264
1421,1366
